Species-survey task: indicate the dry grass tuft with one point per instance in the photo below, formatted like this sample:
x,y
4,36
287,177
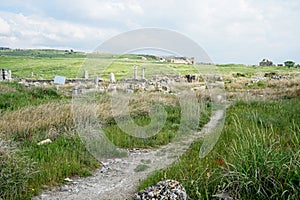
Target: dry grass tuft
x,y
6,89
25,121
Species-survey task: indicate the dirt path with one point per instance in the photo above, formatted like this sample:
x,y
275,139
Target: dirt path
x,y
119,178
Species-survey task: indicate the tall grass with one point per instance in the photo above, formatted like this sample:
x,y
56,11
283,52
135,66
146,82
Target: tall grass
x,y
65,157
27,122
15,173
257,156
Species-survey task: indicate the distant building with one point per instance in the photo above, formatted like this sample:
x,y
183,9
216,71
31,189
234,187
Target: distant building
x,y
178,60
182,60
265,62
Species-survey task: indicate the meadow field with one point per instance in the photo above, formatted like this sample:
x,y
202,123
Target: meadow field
x,y
256,157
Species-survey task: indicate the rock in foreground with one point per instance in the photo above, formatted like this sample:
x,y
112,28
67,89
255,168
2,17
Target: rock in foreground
x,y
168,190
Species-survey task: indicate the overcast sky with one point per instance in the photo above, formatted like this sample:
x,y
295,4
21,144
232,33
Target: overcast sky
x,y
230,31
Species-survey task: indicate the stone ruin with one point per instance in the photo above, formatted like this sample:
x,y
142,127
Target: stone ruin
x,y
137,83
265,62
190,78
5,75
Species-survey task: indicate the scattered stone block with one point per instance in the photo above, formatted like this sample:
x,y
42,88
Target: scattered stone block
x,y
45,142
168,189
59,80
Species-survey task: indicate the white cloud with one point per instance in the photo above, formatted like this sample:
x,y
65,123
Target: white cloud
x,y
230,30
33,31
4,27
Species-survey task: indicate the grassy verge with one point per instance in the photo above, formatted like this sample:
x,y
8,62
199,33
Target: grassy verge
x,y
65,157
27,168
257,156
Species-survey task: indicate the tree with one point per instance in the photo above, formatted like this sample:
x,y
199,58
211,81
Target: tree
x,y
289,63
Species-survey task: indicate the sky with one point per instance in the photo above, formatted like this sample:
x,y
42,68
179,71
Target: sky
x,y
230,31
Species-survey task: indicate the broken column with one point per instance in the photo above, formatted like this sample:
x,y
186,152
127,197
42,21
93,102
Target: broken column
x,y
96,81
135,72
9,74
112,78
143,73
85,74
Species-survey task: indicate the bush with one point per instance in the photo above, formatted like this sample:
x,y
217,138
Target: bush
x,y
289,63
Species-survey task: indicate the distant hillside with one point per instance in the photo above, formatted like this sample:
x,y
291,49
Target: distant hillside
x,y
43,53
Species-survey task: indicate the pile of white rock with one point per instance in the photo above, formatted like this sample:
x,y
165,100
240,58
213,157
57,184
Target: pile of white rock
x,y
168,190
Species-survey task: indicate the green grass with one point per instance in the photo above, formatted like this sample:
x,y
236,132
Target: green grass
x,y
122,66
42,68
65,157
249,71
25,170
257,156
15,172
164,136
168,132
14,96
45,64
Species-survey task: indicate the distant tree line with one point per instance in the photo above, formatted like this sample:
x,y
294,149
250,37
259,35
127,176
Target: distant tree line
x,y
288,63
4,48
